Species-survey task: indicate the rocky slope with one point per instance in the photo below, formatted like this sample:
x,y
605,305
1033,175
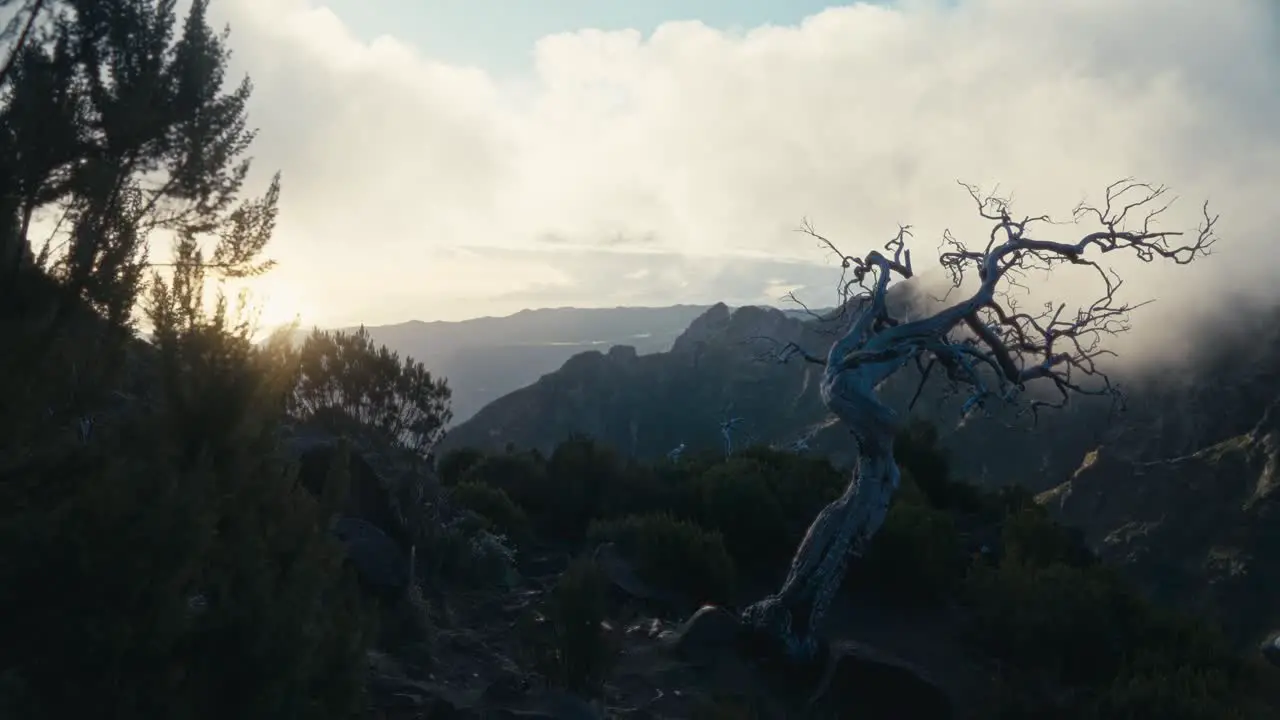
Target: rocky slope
x,y
1201,530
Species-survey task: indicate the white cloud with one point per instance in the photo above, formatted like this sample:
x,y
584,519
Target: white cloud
x,y
711,144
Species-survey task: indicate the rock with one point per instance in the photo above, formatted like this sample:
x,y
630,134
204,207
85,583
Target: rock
x,y
623,576
552,705
622,353
648,627
702,329
1271,649
709,631
507,688
377,558
376,537
368,497
404,700
417,699
871,685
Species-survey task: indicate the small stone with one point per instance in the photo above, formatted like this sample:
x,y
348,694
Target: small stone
x,y
506,688
1271,649
404,700
711,628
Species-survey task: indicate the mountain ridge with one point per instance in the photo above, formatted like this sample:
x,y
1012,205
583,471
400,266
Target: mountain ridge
x,y
484,358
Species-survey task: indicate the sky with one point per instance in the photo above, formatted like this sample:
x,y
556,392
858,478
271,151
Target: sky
x,y
446,160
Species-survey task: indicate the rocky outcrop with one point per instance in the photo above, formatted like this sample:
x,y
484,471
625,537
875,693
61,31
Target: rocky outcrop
x,y
369,495
1202,530
372,524
702,330
378,559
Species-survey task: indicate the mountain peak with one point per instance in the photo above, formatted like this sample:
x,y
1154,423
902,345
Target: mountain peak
x,y
706,325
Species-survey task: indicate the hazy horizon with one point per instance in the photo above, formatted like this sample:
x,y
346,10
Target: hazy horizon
x,y
441,162
783,305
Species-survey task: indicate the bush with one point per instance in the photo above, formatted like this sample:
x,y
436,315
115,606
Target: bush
x,y
736,499
173,567
675,555
461,549
1124,658
645,490
578,471
802,486
573,648
916,557
491,503
455,463
1029,536
347,382
523,477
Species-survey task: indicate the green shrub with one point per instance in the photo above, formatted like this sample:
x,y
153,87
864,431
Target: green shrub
x,y
674,555
493,504
461,549
1123,657
917,556
573,647
736,499
579,470
1030,536
800,487
1067,621
455,463
174,568
523,477
646,489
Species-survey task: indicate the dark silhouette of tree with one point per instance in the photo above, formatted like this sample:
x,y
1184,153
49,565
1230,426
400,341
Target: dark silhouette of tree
x,y
114,124
158,557
347,381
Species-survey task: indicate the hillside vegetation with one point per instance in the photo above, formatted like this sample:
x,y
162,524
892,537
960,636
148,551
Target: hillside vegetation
x,y
1047,629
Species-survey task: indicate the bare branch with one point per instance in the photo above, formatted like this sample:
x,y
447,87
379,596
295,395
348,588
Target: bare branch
x,y
783,352
985,344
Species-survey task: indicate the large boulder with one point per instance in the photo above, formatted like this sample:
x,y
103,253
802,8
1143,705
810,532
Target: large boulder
x,y
378,559
1271,649
868,683
369,524
369,494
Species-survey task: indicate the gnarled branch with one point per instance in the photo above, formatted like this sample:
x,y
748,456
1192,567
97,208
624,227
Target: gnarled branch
x,y
984,343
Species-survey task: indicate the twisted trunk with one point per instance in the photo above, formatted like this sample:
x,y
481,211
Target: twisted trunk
x,y
856,365
793,614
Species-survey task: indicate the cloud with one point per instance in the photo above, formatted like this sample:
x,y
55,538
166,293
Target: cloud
x,y
694,150
590,277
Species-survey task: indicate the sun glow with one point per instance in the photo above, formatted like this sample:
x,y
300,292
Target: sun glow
x,y
271,301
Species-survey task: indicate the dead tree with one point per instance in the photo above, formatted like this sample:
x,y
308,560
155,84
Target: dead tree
x,y
984,344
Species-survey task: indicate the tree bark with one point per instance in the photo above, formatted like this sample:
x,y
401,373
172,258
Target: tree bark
x,y
792,615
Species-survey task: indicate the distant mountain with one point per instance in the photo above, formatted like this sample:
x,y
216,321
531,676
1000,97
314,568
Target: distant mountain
x,y
486,358
719,369
647,404
1180,488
